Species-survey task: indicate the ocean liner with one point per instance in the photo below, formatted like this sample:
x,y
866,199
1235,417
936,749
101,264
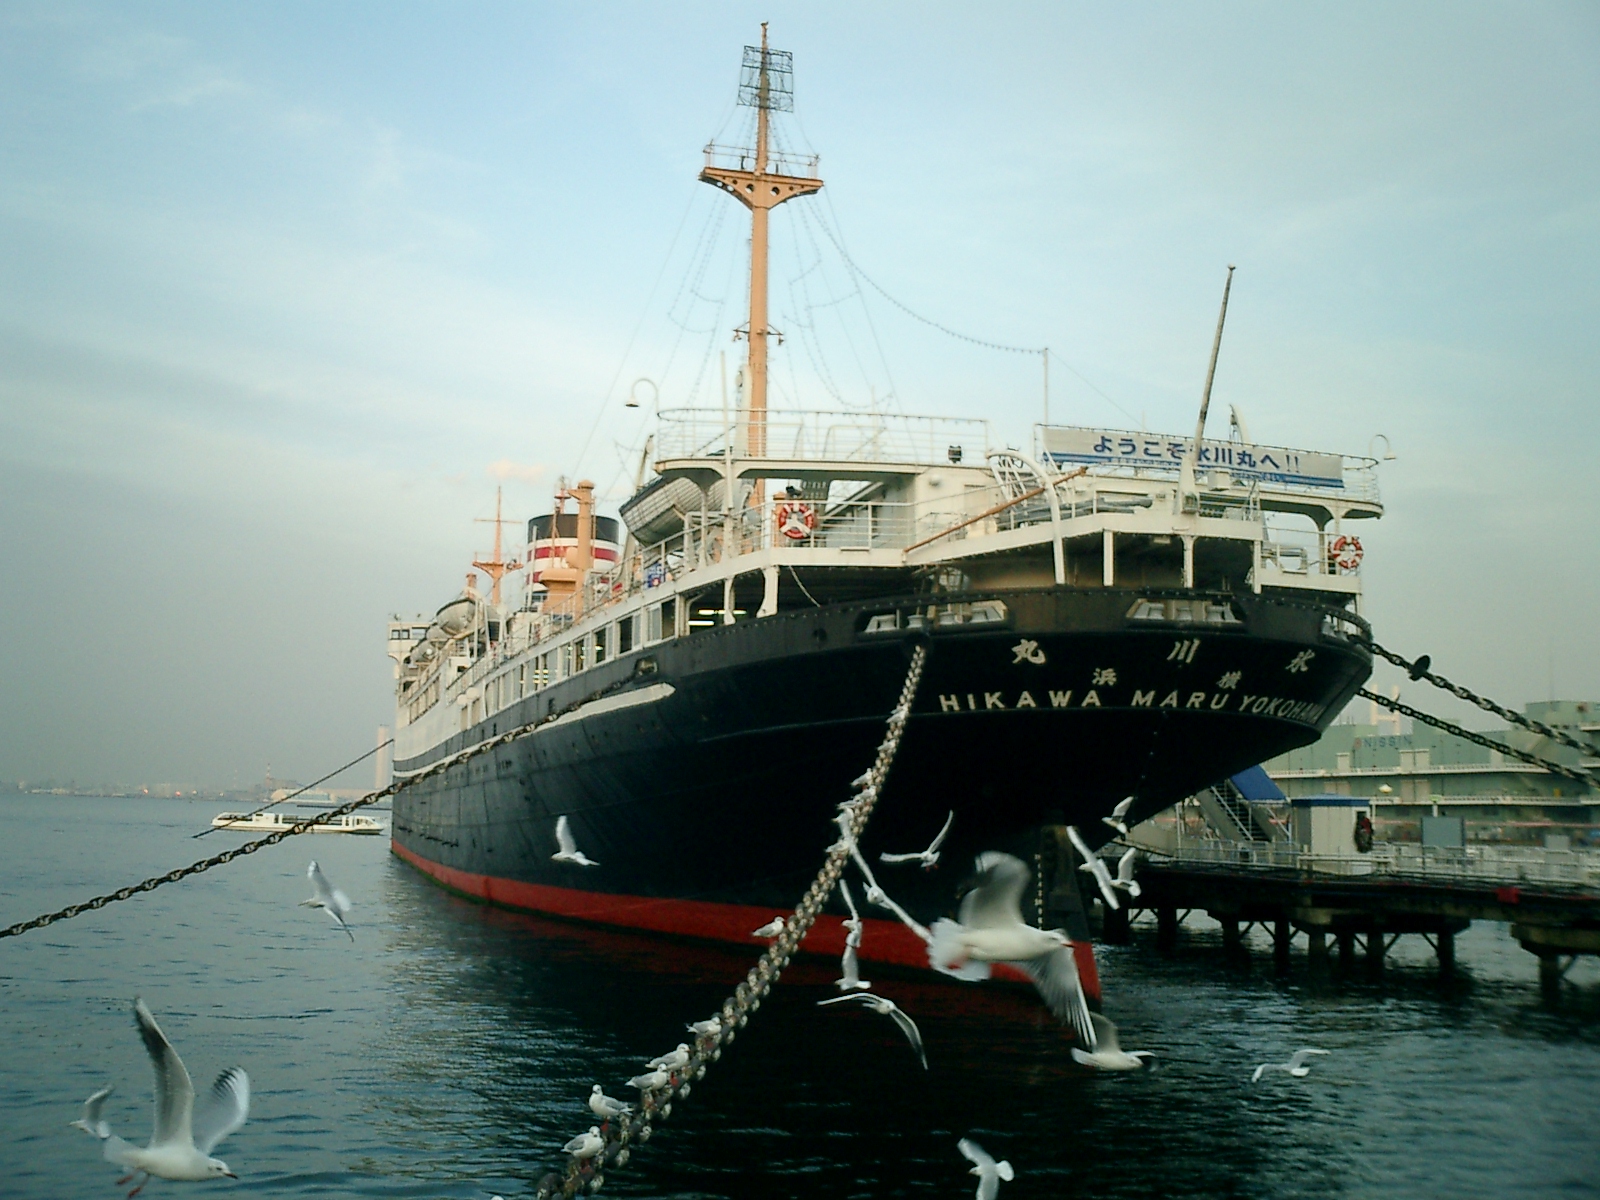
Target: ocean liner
x,y
1112,614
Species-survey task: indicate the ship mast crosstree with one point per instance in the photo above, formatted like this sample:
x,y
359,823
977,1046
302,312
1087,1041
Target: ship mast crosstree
x,y
761,180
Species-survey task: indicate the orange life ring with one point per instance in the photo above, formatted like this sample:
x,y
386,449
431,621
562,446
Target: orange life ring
x,y
1345,552
795,520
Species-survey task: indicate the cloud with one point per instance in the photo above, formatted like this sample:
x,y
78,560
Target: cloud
x,y
522,472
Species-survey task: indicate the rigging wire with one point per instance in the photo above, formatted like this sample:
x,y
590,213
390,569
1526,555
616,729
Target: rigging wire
x,y
645,312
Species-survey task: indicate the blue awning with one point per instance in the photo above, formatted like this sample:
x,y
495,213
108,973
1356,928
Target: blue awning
x,y
1254,784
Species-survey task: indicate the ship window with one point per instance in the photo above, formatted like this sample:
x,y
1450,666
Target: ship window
x,y
669,618
652,623
397,635
600,645
541,672
625,628
580,649
522,681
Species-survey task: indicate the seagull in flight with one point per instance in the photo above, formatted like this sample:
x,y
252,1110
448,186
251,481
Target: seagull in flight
x,y
1118,819
849,965
604,1107
181,1144
887,1007
1108,1054
1093,865
327,897
569,852
1125,880
989,1172
929,858
771,929
1296,1065
990,930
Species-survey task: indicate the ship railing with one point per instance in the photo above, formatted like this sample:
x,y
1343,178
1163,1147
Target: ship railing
x,y
824,436
1305,552
1480,864
743,158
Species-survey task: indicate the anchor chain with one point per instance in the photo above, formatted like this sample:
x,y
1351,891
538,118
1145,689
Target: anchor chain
x,y
399,785
655,1104
1554,768
1419,670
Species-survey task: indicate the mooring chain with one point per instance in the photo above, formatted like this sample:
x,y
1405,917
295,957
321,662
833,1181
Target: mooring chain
x,y
1419,670
399,785
1415,714
655,1104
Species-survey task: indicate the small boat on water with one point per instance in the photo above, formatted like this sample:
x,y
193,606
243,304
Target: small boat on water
x,y
272,822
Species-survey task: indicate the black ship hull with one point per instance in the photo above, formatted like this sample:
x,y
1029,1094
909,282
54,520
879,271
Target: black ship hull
x,y
702,773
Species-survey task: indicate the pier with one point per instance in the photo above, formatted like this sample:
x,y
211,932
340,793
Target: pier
x,y
1550,898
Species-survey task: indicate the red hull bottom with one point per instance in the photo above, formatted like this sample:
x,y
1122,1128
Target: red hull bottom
x,y
883,941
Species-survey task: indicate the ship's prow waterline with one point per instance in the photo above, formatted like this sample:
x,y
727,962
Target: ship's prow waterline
x,y
1117,614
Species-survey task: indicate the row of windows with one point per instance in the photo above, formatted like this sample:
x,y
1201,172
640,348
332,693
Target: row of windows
x,y
579,654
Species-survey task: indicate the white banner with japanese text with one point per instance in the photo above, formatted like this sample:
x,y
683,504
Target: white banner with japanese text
x,y
1123,448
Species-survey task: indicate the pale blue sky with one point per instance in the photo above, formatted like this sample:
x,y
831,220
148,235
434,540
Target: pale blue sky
x,y
283,283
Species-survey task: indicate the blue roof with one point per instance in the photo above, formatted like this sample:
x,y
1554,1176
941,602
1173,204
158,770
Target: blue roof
x,y
1254,784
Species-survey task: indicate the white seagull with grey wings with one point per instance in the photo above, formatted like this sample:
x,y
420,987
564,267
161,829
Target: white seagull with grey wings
x,y
991,930
181,1144
929,858
327,897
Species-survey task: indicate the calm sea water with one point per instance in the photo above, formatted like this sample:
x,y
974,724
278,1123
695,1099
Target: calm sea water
x,y
448,1051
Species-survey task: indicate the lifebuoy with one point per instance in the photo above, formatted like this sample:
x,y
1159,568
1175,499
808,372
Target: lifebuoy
x,y
1345,552
795,520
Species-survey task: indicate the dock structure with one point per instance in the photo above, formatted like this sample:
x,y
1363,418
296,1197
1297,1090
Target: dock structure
x,y
1551,898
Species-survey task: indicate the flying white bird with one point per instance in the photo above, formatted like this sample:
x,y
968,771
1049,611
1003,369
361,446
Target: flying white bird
x,y
91,1122
1118,819
328,897
586,1145
1093,865
569,852
771,929
990,930
1125,879
705,1028
672,1059
1108,1054
880,1004
1296,1065
989,1172
651,1080
181,1145
849,965
929,858
604,1107
876,895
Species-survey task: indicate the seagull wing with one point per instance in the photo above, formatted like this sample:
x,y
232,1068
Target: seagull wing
x,y
996,901
863,996
91,1122
975,1154
1105,1032
1056,977
943,833
844,890
1125,865
1260,1071
1121,810
1298,1059
325,894
909,1028
224,1108
174,1091
564,836
897,858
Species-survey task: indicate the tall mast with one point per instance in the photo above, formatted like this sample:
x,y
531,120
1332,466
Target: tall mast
x,y
495,567
767,85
